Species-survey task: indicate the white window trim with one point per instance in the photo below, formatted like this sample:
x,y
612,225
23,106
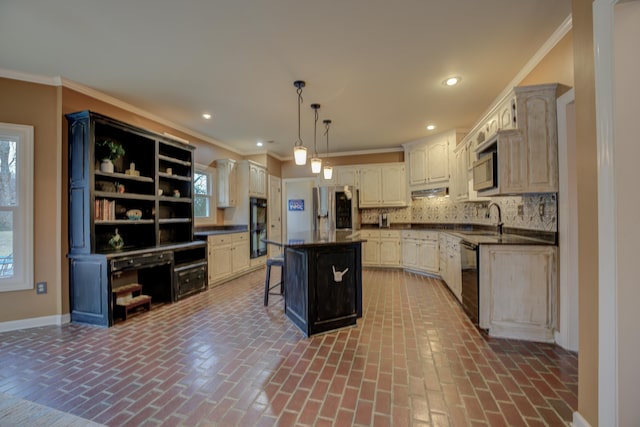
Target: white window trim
x,y
213,211
22,278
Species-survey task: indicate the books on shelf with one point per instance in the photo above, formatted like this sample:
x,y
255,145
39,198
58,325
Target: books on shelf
x,y
105,210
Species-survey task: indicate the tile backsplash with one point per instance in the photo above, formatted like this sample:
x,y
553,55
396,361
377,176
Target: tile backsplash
x,y
446,211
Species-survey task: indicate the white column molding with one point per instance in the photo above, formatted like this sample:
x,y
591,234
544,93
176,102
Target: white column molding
x,y
603,15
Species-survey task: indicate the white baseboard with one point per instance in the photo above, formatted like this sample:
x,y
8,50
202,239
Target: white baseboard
x,y
13,325
579,421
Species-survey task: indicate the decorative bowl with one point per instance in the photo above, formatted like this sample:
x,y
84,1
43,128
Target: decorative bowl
x,y
134,214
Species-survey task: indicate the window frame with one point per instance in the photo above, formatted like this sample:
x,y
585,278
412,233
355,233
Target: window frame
x,y
212,218
22,278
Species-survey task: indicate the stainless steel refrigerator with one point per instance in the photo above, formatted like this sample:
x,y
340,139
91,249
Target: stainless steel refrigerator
x,y
335,208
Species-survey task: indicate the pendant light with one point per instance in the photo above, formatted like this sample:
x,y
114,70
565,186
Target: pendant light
x,y
316,162
299,150
328,170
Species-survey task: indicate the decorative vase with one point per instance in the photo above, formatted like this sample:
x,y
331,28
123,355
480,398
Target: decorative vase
x,y
116,242
106,166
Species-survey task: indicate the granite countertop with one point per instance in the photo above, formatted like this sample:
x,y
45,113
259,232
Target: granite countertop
x,y
210,230
316,238
480,234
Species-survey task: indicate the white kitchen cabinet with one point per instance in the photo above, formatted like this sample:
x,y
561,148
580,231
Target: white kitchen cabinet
x,y
370,248
383,185
451,263
438,161
527,156
382,248
518,291
257,180
347,175
417,165
429,162
420,251
227,177
390,255
228,256
370,186
459,188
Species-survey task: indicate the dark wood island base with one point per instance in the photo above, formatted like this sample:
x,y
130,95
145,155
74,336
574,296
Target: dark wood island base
x,y
323,279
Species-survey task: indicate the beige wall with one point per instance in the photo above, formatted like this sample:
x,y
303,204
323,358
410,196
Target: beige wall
x,y
586,163
291,170
36,105
556,66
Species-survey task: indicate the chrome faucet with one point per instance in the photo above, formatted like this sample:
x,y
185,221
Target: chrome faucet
x,y
499,225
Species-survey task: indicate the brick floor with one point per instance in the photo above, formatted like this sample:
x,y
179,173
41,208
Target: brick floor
x,y
221,358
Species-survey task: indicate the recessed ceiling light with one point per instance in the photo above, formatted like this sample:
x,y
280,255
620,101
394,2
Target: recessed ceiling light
x,y
452,81
431,127
206,116
259,143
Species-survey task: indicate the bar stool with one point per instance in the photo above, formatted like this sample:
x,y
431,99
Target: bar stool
x,y
278,262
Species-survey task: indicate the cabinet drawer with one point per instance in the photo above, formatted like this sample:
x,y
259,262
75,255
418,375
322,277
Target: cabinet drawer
x,y
239,237
393,234
369,234
141,261
420,234
219,239
188,280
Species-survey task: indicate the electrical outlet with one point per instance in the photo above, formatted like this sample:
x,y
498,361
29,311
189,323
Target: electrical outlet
x,y
41,288
521,211
541,209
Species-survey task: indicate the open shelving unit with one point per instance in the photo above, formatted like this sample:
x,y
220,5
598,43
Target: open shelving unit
x,y
132,225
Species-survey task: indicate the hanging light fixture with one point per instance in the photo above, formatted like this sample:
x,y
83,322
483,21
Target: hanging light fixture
x,y
316,162
299,150
328,170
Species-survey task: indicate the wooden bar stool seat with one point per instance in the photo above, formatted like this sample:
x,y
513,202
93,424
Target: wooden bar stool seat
x,y
278,262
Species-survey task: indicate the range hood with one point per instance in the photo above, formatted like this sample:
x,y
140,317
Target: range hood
x,y
430,193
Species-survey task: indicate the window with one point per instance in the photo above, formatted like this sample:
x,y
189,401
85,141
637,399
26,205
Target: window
x,y
204,208
16,207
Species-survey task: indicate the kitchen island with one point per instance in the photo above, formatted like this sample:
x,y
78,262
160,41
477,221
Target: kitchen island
x,y
323,279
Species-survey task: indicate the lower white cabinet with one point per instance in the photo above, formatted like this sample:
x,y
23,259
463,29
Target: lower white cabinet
x,y
381,249
420,251
451,264
518,291
229,255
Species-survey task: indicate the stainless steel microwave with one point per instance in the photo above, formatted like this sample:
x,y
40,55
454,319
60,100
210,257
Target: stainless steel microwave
x,y
485,170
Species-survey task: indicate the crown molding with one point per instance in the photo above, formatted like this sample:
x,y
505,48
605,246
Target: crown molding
x,y
31,78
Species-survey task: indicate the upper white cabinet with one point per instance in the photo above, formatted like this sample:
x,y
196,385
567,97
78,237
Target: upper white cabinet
x,y
227,175
257,180
383,185
526,141
438,161
347,175
430,161
459,188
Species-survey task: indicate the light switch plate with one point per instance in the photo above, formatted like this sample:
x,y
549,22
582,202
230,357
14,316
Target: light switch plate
x,y
41,288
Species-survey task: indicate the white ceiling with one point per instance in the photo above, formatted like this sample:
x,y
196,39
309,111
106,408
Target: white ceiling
x,y
375,66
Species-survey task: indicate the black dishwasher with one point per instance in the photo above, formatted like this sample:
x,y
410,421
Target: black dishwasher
x,y
470,279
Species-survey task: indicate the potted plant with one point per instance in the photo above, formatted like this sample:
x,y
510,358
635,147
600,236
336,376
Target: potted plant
x,y
108,151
